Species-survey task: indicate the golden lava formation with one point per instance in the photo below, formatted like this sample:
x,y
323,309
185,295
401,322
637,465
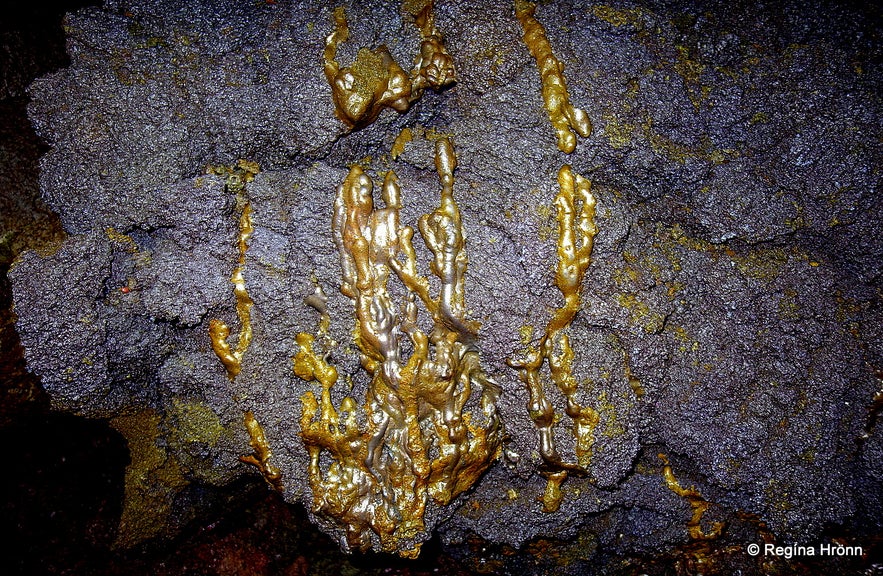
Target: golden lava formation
x,y
374,471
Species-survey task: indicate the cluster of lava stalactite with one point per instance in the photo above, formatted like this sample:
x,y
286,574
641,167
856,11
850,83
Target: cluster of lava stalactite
x,y
418,444
375,468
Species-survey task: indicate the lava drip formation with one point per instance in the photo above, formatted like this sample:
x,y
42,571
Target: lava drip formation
x,y
238,177
419,446
576,232
565,118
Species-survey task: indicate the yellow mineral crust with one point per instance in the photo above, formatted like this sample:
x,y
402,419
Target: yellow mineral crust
x,y
376,81
564,117
698,504
576,233
262,453
412,443
220,332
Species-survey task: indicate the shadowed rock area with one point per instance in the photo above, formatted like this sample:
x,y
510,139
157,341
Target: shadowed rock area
x,y
731,315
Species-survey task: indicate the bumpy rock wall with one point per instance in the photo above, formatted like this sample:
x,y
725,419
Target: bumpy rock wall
x,y
730,316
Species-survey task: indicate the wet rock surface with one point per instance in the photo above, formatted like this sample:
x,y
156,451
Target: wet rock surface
x,y
731,315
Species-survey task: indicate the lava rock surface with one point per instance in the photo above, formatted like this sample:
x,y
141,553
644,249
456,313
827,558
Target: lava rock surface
x,y
732,312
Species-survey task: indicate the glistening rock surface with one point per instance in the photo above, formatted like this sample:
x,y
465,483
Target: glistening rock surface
x,y
731,315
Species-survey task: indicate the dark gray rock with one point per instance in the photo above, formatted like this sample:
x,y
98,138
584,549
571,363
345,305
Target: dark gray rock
x,y
731,314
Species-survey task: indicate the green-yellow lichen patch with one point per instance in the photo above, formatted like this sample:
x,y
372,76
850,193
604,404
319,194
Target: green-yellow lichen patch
x,y
641,314
413,443
124,240
759,118
762,263
617,17
576,233
789,306
679,152
618,133
153,479
567,120
195,422
194,431
690,70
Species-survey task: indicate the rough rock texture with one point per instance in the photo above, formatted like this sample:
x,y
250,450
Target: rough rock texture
x,y
732,316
